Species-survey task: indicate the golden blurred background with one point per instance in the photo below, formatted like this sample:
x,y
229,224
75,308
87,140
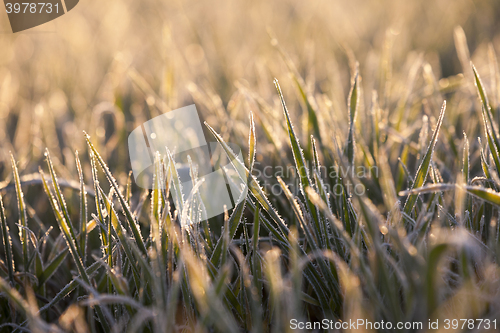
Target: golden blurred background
x,y
58,79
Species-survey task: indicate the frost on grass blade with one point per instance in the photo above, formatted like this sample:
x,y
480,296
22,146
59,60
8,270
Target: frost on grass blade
x,y
353,102
23,219
134,226
7,242
423,169
307,98
254,187
300,162
83,211
70,240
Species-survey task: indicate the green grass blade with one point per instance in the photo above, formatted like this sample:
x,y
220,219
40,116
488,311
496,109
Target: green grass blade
x,y
122,236
484,165
481,92
90,271
233,223
431,188
119,282
310,272
52,267
490,128
256,264
83,212
423,169
156,203
39,270
208,303
495,153
177,186
60,199
334,222
156,222
71,242
466,160
7,243
254,187
23,219
431,277
134,226
252,144
308,99
325,234
95,178
353,102
315,154
236,216
485,194
482,193
300,162
311,111
327,273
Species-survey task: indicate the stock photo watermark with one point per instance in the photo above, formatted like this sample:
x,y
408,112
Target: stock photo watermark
x,y
180,132
414,326
25,15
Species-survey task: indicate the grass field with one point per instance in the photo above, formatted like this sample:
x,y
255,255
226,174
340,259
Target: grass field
x,y
371,144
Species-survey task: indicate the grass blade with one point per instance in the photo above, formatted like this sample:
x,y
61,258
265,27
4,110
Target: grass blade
x,y
254,187
83,211
126,209
233,223
256,264
327,274
90,271
70,240
177,186
300,162
23,219
7,243
52,267
61,203
489,125
308,99
122,236
466,160
423,169
485,194
353,102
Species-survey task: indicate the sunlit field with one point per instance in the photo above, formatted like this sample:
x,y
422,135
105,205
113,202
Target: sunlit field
x,y
370,138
